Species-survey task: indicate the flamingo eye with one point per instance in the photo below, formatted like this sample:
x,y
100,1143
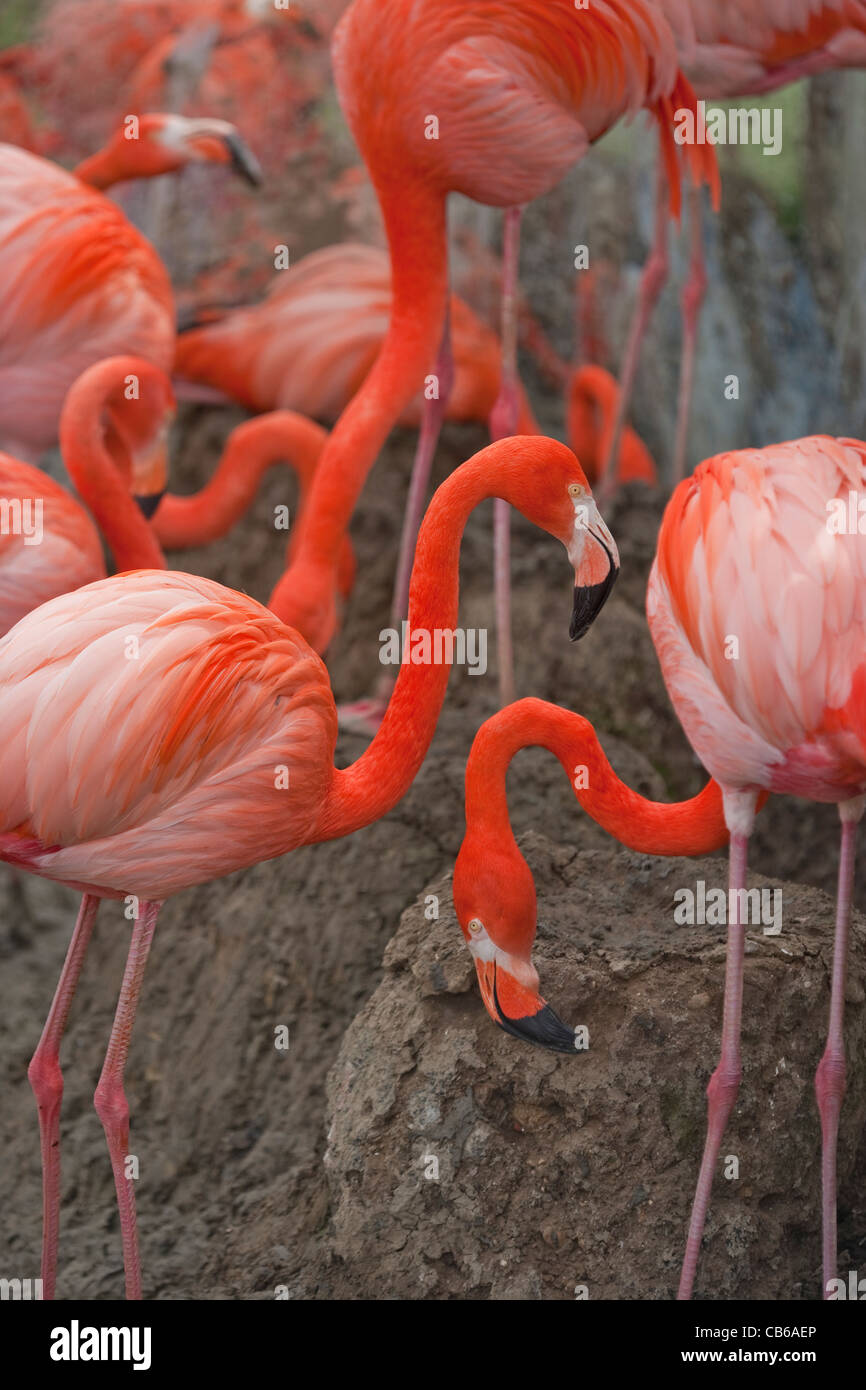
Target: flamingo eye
x,y
475,926
576,490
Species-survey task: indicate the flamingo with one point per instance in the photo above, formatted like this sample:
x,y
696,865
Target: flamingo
x,y
757,610
747,550
82,283
495,100
494,893
115,450
728,50
309,346
161,730
115,445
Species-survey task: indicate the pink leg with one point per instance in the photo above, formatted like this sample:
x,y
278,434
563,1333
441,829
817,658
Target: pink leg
x,y
653,280
46,1080
365,716
431,427
725,1080
693,298
830,1076
110,1100
503,424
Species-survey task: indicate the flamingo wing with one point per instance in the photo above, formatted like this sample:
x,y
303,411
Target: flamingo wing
x,y
81,284
159,731
758,610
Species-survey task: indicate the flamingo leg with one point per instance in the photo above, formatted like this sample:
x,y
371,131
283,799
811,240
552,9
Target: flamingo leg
x,y
503,424
693,297
110,1100
725,1080
365,716
431,427
653,280
46,1080
830,1076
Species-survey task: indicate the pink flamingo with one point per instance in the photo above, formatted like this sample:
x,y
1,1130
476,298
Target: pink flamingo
x,y
82,283
757,607
222,732
114,445
496,101
727,50
747,554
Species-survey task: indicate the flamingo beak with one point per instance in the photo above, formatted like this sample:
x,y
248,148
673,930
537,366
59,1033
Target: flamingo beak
x,y
242,159
521,1011
148,503
589,599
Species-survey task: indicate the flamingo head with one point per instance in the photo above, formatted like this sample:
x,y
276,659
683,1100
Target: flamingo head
x,y
137,418
593,553
544,480
494,897
161,144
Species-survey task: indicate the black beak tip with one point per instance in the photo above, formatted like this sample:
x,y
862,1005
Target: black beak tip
x,y
588,603
544,1029
147,504
244,162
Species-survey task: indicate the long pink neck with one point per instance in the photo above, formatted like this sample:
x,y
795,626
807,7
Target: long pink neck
x,y
696,826
97,477
253,448
375,783
415,221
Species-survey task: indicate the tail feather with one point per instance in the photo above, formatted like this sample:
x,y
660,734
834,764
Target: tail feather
x,y
699,160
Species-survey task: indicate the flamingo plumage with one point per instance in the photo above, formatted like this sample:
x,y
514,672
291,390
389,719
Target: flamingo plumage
x,y
730,50
757,610
83,283
520,91
161,730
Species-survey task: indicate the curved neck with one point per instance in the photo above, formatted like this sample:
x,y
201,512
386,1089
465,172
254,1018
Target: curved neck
x,y
100,170
415,221
98,480
255,446
692,827
375,783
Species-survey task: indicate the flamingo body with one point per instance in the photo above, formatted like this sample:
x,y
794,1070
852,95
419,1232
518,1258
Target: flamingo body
x,y
311,342
82,284
68,553
746,553
740,47
151,795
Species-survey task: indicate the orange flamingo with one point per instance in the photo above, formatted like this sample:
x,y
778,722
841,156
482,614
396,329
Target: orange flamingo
x,y
728,50
115,448
82,283
519,91
756,606
223,728
310,345
494,892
